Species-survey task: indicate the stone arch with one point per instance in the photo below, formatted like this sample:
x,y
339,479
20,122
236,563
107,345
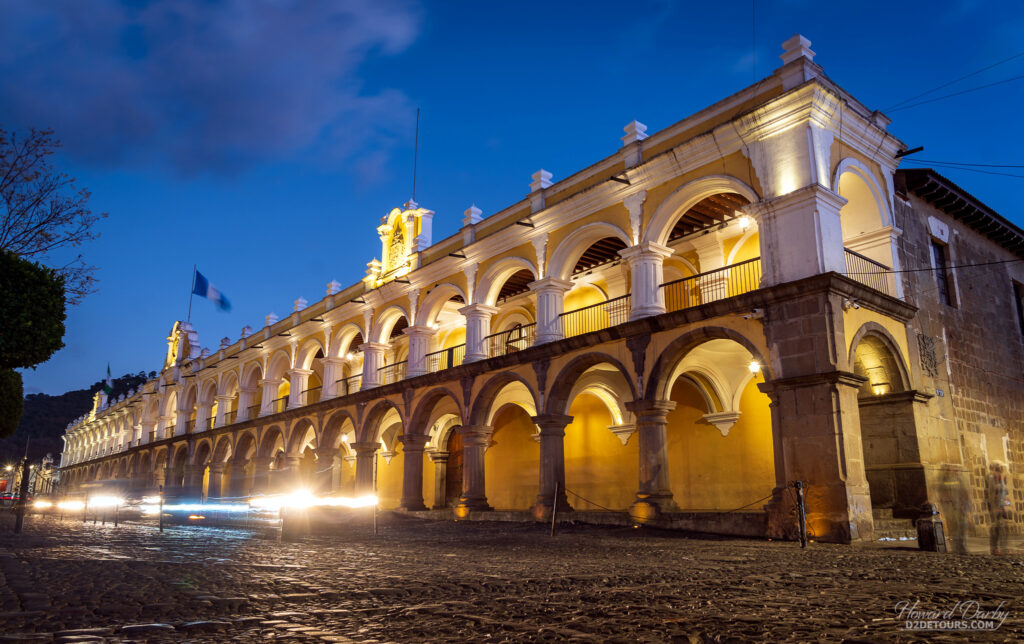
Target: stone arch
x,y
308,351
207,392
421,417
496,274
875,355
432,304
489,399
228,385
867,207
371,428
685,197
343,337
561,394
201,453
334,428
568,252
278,365
272,441
386,323
660,379
222,450
252,373
300,435
244,447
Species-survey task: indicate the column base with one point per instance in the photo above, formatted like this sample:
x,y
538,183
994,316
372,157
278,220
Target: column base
x,y
650,506
465,506
543,508
413,506
645,312
475,357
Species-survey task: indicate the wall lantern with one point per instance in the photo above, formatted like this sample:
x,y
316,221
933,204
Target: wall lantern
x,y
754,366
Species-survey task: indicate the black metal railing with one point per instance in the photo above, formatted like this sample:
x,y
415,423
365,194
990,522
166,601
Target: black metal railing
x,y
350,385
511,340
718,284
311,395
445,358
254,411
278,405
391,373
230,416
190,426
595,317
867,271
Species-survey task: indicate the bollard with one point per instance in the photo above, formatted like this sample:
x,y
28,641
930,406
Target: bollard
x,y
799,485
930,533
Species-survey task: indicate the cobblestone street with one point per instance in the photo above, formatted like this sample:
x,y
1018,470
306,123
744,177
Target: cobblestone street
x,y
445,582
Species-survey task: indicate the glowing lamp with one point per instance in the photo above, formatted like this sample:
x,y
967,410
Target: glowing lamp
x,y
42,505
744,222
754,366
880,388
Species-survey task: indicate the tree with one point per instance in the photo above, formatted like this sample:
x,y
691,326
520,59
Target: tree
x,y
41,209
31,327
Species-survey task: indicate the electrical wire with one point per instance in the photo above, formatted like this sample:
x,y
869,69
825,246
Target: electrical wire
x,y
978,165
953,82
966,91
975,170
919,270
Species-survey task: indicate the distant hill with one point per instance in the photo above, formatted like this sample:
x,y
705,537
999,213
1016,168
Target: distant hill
x,y
46,417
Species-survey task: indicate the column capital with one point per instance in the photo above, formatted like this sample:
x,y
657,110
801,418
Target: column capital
x,y
550,284
374,346
269,381
650,408
419,330
414,442
365,447
478,309
327,452
476,434
552,424
223,397
438,456
333,361
300,372
645,250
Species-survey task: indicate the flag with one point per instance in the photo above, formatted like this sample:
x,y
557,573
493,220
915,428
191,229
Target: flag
x,y
108,384
203,288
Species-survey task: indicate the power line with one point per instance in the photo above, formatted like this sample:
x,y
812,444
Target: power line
x,y
980,165
956,167
952,82
948,268
966,91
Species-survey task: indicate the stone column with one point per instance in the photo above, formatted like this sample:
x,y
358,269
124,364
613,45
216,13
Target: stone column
x,y
223,407
238,485
800,234
373,360
552,465
270,388
440,461
328,464
475,441
653,495
193,487
332,373
299,382
203,409
246,398
412,472
478,327
550,300
148,432
289,477
419,343
215,485
261,474
165,425
646,266
366,453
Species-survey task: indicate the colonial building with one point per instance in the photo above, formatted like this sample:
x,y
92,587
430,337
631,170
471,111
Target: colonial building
x,y
674,334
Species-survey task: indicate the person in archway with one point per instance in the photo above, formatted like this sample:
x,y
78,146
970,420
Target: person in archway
x,y
998,495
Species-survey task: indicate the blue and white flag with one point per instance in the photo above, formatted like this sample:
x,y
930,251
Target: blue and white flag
x,y
203,288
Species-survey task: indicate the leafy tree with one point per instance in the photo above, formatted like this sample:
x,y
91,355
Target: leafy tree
x,y
41,210
31,327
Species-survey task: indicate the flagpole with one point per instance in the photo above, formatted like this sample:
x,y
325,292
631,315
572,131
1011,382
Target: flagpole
x,y
191,292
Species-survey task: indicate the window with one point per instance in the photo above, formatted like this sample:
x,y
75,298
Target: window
x,y
940,264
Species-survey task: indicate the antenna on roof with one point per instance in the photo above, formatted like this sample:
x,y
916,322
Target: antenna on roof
x,y
416,154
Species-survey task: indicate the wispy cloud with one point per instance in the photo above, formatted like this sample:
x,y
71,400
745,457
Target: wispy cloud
x,y
203,86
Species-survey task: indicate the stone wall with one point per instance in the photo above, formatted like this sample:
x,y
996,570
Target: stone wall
x,y
969,355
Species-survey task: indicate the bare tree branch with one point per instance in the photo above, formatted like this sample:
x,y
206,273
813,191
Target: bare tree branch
x,y
41,210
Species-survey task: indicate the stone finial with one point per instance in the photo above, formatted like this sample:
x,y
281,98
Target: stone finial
x,y
541,180
225,342
272,319
411,205
635,131
205,352
299,304
246,331
333,287
472,216
795,48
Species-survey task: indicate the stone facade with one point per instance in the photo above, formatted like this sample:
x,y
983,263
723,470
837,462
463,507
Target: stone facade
x,y
675,334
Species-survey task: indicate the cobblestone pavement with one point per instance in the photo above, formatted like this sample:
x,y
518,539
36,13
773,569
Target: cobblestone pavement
x,y
444,582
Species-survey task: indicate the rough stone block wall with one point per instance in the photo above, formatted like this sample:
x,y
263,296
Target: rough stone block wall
x,y
969,355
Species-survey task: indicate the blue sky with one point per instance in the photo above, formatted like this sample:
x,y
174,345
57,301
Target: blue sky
x,y
263,140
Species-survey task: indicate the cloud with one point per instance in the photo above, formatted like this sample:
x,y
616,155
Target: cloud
x,y
203,86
